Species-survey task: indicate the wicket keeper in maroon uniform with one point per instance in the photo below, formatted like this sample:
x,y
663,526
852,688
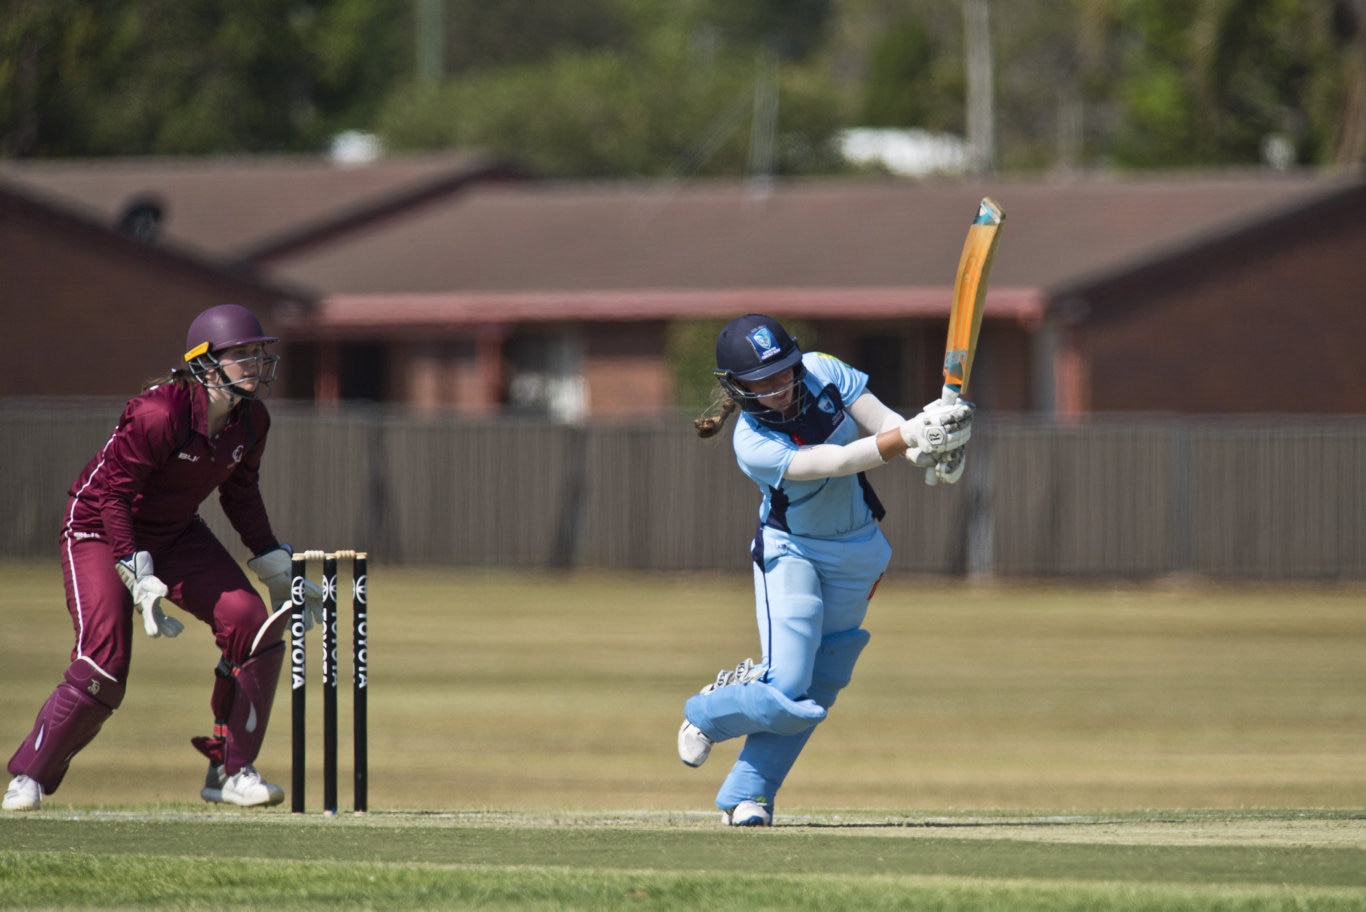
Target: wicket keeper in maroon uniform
x,y
131,536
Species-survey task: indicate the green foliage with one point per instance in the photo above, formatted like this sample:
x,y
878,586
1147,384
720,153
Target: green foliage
x,y
601,114
188,77
907,87
356,50
601,88
690,347
481,35
1150,83
1208,83
791,29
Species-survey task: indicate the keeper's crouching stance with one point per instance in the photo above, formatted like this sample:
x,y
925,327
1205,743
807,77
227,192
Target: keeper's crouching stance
x,y
808,431
132,536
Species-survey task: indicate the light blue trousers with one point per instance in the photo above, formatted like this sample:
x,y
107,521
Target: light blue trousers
x,y
811,597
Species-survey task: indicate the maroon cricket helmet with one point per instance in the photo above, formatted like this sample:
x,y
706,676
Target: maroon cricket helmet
x,y
223,326
218,329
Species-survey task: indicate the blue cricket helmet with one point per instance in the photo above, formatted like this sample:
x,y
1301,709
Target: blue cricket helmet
x,y
754,347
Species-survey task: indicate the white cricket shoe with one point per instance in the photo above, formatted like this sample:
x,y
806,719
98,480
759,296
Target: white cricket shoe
x,y
23,794
246,789
747,814
693,746
213,783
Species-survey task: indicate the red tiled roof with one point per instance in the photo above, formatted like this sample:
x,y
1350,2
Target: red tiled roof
x,y
226,205
75,224
582,237
538,248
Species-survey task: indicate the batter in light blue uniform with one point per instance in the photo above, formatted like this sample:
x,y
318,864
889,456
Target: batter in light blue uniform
x,y
808,431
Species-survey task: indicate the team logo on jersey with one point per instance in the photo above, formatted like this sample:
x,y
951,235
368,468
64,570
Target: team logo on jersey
x,y
825,404
761,339
237,453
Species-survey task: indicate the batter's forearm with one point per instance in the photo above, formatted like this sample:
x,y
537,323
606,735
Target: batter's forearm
x,y
891,443
832,461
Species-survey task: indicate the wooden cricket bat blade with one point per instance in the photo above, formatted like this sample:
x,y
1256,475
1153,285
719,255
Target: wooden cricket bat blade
x,y
969,297
969,300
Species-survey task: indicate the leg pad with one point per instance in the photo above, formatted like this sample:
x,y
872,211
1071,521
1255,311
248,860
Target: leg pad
x,y
834,667
247,720
743,709
68,721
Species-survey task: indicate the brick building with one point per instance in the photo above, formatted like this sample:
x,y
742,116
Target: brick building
x,y
462,284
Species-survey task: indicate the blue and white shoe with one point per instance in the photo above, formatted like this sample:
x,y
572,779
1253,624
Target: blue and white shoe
x,y
748,814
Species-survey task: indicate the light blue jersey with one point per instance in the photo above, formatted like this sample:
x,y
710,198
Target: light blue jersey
x,y
826,507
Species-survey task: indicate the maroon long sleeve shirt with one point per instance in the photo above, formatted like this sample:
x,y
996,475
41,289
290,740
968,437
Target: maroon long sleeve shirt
x,y
145,485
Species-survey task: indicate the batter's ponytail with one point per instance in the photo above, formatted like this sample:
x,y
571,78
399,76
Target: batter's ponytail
x,y
710,423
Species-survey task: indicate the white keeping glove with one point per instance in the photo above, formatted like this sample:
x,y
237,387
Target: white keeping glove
x,y
273,568
939,428
148,591
947,468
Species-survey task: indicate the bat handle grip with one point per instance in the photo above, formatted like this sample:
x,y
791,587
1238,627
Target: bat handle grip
x,y
948,395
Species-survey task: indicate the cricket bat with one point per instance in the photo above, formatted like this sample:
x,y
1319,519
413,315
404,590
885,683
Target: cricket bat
x,y
969,299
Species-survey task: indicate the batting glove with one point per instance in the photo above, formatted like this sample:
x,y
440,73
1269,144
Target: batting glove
x,y
148,591
948,468
939,428
273,569
915,457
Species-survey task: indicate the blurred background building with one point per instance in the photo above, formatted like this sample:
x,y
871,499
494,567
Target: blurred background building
x,y
497,241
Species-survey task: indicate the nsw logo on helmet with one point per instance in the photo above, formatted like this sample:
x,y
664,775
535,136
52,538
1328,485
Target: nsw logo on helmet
x,y
753,347
764,344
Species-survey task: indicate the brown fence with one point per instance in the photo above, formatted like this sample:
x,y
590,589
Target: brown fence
x,y
1257,498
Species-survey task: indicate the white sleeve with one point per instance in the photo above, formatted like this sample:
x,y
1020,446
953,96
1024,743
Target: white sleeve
x,y
830,460
872,416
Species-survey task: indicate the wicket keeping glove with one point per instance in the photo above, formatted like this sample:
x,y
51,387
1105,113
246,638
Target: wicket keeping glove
x,y
273,568
939,428
136,572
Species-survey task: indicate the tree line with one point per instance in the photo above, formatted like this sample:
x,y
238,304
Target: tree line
x,y
615,88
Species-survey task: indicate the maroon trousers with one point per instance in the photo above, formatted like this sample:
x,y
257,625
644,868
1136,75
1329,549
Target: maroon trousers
x,y
203,578
204,581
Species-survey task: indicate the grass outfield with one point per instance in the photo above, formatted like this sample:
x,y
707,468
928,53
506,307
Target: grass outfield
x,y
1002,746
162,857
